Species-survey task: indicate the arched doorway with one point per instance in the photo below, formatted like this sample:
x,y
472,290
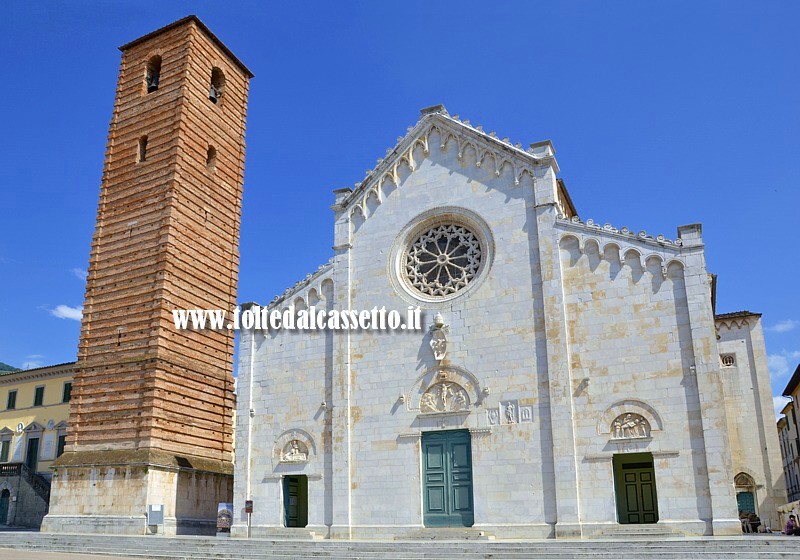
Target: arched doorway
x,y
745,492
5,499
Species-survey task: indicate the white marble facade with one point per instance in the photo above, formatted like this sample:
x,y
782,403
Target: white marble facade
x,y
563,344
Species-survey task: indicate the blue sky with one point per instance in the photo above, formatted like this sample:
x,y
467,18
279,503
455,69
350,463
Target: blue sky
x,y
662,114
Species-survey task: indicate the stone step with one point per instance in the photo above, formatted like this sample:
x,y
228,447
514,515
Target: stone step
x,y
210,548
237,544
398,555
371,547
410,548
283,533
445,534
643,531
199,555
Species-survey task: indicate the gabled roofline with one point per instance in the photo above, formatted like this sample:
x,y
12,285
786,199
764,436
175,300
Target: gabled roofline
x,y
202,26
539,153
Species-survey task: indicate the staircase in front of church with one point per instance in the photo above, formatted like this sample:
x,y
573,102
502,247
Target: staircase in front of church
x,y
757,547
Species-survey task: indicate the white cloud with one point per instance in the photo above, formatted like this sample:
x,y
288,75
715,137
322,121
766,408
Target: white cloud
x,y
783,363
778,366
32,361
79,273
784,326
67,312
779,403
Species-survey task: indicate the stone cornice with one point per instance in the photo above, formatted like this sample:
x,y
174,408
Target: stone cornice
x,y
737,320
200,25
609,240
591,228
142,458
39,373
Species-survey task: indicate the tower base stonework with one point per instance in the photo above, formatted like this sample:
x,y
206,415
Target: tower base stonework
x,y
110,491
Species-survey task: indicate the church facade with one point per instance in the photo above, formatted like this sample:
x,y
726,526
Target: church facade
x,y
571,378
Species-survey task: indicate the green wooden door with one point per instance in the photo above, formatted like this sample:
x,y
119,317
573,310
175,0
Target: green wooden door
x,y
746,502
295,501
5,498
447,479
32,455
635,481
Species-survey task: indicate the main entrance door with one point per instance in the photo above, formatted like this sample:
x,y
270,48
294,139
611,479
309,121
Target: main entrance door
x,y
295,501
635,482
447,479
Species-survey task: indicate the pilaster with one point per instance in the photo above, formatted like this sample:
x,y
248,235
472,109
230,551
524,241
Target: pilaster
x,y
559,379
341,476
243,462
709,384
774,478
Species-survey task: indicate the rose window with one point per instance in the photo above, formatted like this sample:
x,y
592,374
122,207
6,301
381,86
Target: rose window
x,y
443,260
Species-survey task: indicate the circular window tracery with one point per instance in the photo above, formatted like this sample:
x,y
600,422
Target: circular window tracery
x,y
443,260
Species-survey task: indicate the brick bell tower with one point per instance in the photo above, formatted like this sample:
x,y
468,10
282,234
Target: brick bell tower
x,y
151,409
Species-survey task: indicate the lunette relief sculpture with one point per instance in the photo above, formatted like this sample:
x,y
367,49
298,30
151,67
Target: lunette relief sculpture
x,y
630,426
294,452
444,397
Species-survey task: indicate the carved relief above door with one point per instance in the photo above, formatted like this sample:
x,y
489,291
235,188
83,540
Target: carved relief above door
x,y
444,390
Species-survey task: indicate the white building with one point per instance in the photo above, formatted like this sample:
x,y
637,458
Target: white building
x,y
573,385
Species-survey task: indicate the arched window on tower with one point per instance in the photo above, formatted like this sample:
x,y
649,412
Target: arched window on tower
x,y
142,153
152,74
217,85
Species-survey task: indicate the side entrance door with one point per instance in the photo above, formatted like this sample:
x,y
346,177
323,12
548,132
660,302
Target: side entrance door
x,y
447,479
295,501
746,501
635,482
5,497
